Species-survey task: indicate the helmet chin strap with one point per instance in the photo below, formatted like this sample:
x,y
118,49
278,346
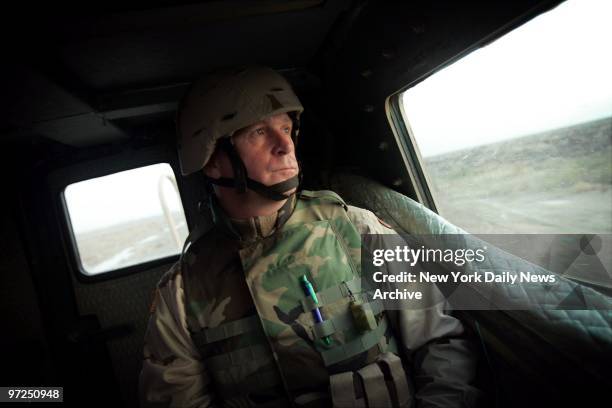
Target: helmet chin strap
x,y
241,180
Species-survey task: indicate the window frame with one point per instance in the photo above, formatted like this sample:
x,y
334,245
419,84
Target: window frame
x,y
59,180
409,150
399,122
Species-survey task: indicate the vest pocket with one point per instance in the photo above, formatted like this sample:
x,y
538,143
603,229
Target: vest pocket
x,y
383,383
274,269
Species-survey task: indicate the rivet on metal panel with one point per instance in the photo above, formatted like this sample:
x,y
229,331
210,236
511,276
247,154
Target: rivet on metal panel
x,y
368,108
366,73
388,54
418,28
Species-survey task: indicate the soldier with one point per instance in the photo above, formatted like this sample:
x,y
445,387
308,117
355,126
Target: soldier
x,y
235,322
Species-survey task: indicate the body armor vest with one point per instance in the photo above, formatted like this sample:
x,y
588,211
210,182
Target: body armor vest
x,y
250,316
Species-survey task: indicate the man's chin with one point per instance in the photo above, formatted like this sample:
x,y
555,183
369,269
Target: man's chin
x,y
281,178
292,191
281,175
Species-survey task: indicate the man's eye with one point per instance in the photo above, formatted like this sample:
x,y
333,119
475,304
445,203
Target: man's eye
x,y
287,130
259,131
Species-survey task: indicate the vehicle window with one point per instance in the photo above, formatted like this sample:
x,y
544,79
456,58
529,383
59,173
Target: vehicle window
x,y
126,218
516,137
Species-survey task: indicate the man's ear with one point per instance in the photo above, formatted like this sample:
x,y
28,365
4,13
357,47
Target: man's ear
x,y
213,168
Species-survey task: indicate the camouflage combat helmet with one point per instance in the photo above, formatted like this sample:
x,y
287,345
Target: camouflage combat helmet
x,y
221,103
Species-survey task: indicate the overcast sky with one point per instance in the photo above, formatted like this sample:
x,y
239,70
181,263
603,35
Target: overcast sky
x,y
120,197
553,71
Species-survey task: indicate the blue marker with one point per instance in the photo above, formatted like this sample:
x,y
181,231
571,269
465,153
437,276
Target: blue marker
x,y
316,313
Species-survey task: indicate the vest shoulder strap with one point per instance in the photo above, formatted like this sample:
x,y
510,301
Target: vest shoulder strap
x,y
200,229
323,195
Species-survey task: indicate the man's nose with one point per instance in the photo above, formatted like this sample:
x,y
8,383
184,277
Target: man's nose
x,y
283,142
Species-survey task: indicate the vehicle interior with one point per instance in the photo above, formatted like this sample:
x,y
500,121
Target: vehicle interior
x,y
92,92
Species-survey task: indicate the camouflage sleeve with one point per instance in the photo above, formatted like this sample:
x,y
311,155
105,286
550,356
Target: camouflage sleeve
x,y
172,373
442,362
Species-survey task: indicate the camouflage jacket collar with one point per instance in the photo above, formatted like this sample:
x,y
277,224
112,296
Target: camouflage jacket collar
x,y
254,228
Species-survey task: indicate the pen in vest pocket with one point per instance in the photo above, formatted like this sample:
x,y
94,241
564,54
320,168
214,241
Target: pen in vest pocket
x,y
316,313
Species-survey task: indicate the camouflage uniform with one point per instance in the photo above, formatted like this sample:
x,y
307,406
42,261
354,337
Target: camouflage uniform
x,y
231,326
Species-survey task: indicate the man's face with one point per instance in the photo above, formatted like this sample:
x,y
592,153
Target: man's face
x,y
267,150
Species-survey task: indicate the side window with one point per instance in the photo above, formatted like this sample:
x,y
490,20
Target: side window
x,y
516,137
126,218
